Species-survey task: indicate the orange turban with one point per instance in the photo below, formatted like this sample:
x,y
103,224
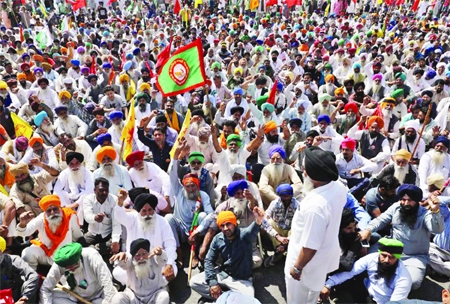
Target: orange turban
x,y
270,126
106,151
226,217
375,119
191,178
38,58
34,139
64,50
328,77
49,200
304,48
387,101
21,76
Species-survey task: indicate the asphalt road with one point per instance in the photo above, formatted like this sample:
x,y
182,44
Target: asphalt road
x,y
270,287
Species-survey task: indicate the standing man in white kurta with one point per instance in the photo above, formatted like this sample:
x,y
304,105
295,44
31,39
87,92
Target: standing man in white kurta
x,y
314,246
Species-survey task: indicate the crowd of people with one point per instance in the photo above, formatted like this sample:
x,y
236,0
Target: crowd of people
x,y
320,140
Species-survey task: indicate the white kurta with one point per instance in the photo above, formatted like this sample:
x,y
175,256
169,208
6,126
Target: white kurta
x,y
157,180
72,125
120,180
69,191
426,168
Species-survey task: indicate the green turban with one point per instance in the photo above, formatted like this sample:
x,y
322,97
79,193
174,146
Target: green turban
x,y
268,106
397,93
197,155
261,99
68,254
215,65
392,246
259,48
341,41
402,76
323,97
236,138
369,33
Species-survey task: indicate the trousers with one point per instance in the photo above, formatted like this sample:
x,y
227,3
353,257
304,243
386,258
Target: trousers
x,y
128,297
34,256
297,292
439,260
198,284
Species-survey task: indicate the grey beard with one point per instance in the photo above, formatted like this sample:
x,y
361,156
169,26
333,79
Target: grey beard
x,y
190,196
238,206
308,185
147,222
26,187
48,128
108,169
143,270
54,221
400,173
438,158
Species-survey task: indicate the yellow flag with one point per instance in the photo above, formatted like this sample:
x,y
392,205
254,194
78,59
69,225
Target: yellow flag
x,y
184,127
379,2
327,10
21,127
128,133
197,2
3,190
254,4
43,9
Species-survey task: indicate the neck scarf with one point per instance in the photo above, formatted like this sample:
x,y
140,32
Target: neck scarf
x,y
173,121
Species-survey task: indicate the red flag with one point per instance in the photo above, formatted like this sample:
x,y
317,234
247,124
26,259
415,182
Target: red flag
x,y
164,55
272,94
92,67
177,7
22,38
291,3
77,4
415,5
271,2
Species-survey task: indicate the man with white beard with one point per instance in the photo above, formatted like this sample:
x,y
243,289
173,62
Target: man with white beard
x,y
377,90
70,124
81,270
145,282
147,174
146,223
117,175
74,181
38,150
401,169
203,142
328,87
45,129
276,173
116,128
326,130
46,94
409,140
53,219
197,121
391,121
435,161
323,107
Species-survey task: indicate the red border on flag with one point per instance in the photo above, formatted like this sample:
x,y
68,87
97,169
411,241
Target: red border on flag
x,y
198,44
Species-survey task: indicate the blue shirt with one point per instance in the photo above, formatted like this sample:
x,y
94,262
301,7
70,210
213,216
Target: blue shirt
x,y
359,213
397,290
375,201
236,254
443,240
161,157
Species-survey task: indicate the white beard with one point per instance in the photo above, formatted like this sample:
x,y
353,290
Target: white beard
x,y
387,113
239,207
54,221
275,172
438,158
233,157
118,128
400,173
48,128
203,146
142,174
322,109
143,270
376,88
147,222
108,169
308,185
76,177
198,172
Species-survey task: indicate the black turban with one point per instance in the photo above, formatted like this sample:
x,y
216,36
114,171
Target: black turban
x,y
198,112
414,192
71,155
135,192
312,133
320,165
145,198
161,118
237,109
347,218
139,244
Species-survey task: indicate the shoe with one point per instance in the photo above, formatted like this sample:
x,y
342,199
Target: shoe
x,y
269,261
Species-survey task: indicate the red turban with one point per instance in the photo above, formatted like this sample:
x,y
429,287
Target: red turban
x,y
191,178
351,106
135,156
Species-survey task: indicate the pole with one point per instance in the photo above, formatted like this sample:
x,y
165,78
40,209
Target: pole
x,y
421,129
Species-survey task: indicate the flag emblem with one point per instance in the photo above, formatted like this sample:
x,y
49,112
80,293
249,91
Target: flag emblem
x,y
179,71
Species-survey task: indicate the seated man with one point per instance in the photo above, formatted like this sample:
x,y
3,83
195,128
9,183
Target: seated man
x,y
7,218
145,223
98,211
117,175
56,227
413,225
189,199
74,145
277,222
143,266
81,270
15,149
388,278
147,174
380,198
6,178
276,173
30,188
70,124
351,165
436,160
409,140
348,241
18,276
74,181
38,150
401,169
231,244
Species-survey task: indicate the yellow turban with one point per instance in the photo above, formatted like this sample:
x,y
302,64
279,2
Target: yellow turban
x,y
46,65
2,244
49,200
339,91
106,151
329,77
403,154
270,126
387,101
3,85
144,86
19,169
238,70
21,76
65,94
436,179
124,77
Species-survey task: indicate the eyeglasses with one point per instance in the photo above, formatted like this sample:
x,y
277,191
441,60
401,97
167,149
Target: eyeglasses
x,y
196,163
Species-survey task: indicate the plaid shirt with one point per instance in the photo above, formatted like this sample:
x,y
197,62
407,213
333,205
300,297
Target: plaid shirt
x,y
279,215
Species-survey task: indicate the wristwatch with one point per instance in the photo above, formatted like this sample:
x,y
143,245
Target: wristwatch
x,y
297,271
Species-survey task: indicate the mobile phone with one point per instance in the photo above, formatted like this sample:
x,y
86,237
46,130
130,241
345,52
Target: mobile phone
x,y
365,244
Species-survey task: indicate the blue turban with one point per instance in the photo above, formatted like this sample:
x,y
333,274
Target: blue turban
x,y
129,56
414,192
103,137
324,117
127,65
24,55
233,187
295,44
444,140
238,91
37,70
75,62
279,86
447,74
103,43
39,118
431,74
115,114
136,51
84,70
277,149
107,65
262,67
60,108
285,189
356,65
